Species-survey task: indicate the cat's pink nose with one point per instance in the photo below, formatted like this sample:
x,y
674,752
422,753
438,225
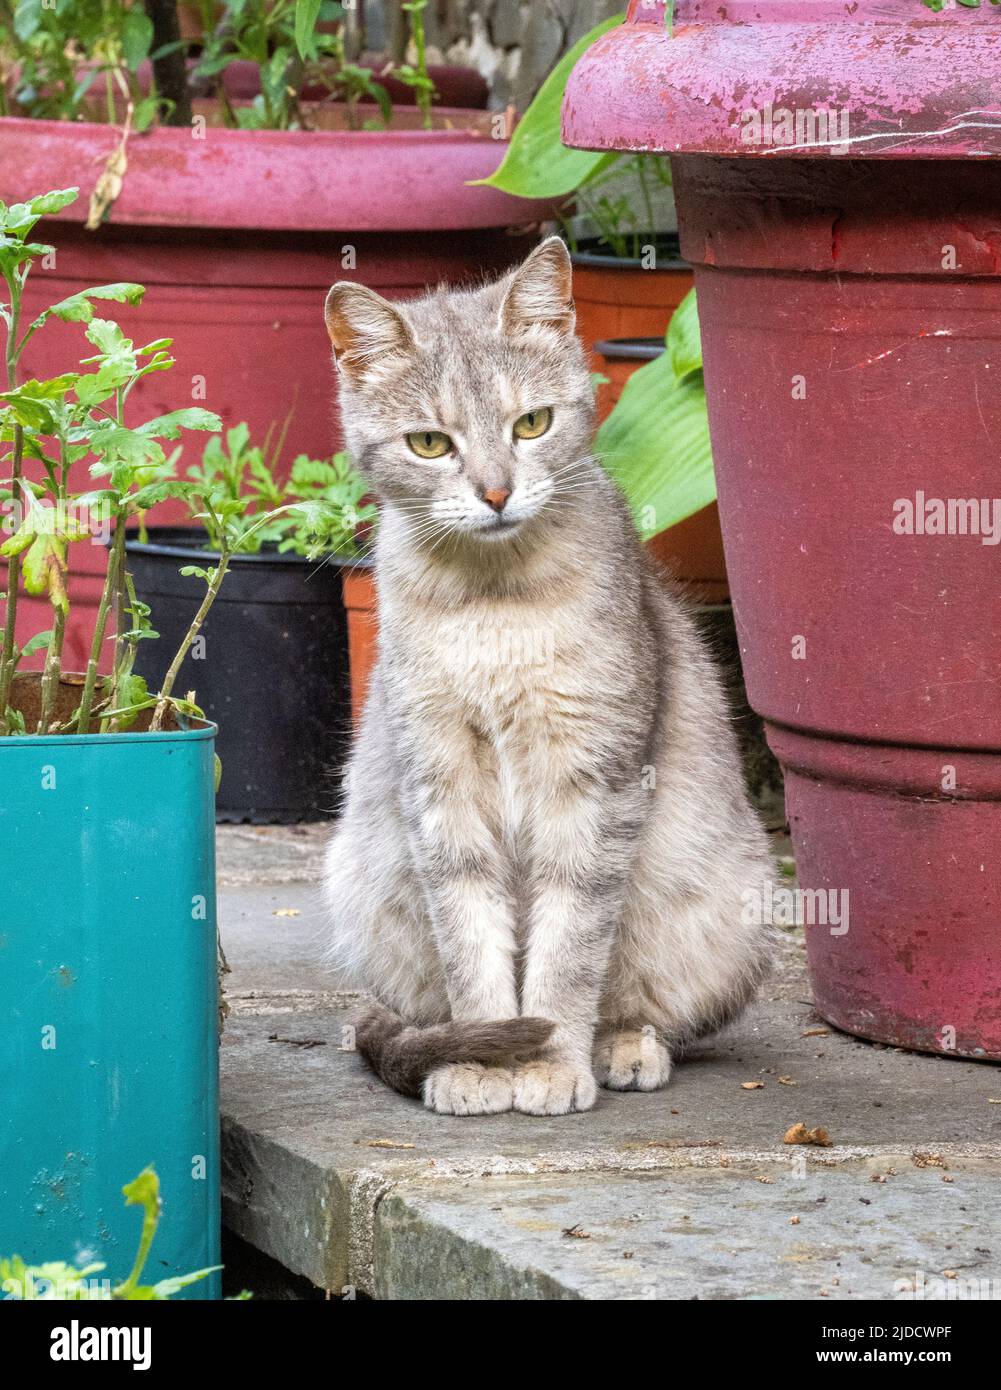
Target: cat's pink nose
x,y
496,498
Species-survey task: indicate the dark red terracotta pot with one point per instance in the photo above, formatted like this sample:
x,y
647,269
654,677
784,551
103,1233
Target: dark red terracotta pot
x,y
852,340
238,236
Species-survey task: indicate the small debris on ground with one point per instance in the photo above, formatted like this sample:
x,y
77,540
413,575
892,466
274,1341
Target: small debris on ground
x,y
390,1144
794,1221
286,912
298,1042
577,1232
799,1134
787,1081
816,1033
752,1085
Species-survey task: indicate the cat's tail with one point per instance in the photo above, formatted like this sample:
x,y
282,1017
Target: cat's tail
x,y
403,1055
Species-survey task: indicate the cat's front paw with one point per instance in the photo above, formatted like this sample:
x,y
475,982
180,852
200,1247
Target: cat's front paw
x,y
553,1088
632,1060
467,1088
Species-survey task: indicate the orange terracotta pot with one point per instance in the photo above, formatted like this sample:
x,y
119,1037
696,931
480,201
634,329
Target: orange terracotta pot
x,y
692,550
363,631
617,298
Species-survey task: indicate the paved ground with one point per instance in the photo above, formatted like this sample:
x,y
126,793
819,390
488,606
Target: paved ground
x,y
686,1193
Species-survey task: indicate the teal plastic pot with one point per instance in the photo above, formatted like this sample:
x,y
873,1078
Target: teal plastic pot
x,y
108,983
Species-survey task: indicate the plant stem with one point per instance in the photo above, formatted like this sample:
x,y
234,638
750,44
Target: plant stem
x,y
170,70
13,561
13,581
97,642
50,676
645,189
210,596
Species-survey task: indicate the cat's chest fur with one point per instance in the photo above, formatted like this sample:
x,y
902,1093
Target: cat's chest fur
x,y
507,667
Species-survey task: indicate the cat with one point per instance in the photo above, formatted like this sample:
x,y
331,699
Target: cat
x,y
546,849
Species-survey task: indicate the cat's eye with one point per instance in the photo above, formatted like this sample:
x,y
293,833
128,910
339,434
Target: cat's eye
x,y
430,444
533,423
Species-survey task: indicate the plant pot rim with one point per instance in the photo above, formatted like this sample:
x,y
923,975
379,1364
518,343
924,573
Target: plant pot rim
x,y
274,180
604,260
200,729
902,73
178,542
631,349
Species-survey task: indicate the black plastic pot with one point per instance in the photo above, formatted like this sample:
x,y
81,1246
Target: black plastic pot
x,y
592,251
272,671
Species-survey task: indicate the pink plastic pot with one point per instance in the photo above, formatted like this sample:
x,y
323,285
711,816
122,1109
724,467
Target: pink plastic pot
x,y
849,297
238,237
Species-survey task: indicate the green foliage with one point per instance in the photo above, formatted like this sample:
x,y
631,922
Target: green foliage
x,y
968,4
80,416
537,164
322,509
79,59
295,44
615,190
56,1280
655,443
70,56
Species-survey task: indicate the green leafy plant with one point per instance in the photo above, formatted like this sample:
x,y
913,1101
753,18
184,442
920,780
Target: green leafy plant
x,y
415,74
77,1283
80,416
655,442
56,55
64,52
616,191
968,4
323,508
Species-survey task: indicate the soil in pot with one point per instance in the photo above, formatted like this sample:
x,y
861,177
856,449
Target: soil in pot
x,y
272,670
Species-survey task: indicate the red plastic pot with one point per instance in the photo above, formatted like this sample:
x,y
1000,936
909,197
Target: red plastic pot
x,y
238,237
849,298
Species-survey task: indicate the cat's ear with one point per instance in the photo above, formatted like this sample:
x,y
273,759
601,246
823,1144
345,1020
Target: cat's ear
x,y
364,328
541,291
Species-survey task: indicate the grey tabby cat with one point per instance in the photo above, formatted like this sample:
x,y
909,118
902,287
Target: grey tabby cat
x,y
542,864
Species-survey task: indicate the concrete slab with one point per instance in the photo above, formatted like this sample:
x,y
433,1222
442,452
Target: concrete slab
x,y
348,1184
753,1231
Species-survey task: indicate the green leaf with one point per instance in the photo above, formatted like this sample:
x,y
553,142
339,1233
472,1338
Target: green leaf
x,y
36,643
655,445
191,418
307,12
19,218
132,692
34,414
108,338
166,1288
78,309
142,1191
51,389
137,37
537,163
684,341
152,493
